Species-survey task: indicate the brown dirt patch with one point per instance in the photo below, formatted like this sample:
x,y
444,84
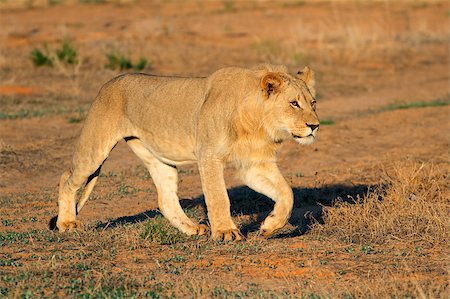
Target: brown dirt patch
x,y
17,90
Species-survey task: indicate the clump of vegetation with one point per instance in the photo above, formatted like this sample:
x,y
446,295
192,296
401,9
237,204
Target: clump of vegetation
x,y
79,118
327,122
412,206
228,5
41,57
66,54
300,58
117,60
420,104
158,231
267,48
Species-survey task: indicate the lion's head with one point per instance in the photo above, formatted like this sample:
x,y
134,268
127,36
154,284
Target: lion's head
x,y
290,106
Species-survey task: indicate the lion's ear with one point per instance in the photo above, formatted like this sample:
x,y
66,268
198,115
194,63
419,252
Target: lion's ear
x,y
271,83
307,75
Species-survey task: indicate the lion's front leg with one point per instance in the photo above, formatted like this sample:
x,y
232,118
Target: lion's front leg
x,y
266,179
217,201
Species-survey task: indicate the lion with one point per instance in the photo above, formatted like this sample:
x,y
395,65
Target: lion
x,y
235,115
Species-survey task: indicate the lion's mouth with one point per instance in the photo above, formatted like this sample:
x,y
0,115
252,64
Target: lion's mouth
x,y
298,136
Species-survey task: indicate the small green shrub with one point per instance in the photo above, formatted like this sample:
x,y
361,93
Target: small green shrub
x,y
141,64
117,60
66,54
41,58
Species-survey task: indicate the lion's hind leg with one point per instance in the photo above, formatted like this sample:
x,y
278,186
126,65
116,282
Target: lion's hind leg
x,y
91,152
165,178
68,208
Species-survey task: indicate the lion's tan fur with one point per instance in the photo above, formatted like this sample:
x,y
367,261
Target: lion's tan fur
x,y
234,115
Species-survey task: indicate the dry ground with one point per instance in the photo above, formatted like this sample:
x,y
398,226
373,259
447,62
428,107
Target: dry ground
x,y
383,82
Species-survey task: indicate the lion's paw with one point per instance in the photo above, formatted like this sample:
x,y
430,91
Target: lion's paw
x,y
68,225
271,225
228,235
202,230
266,233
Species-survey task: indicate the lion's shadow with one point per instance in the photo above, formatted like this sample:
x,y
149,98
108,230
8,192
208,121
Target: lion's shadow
x,y
308,207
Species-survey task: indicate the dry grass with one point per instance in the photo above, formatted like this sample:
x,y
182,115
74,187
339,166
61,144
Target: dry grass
x,y
412,207
401,230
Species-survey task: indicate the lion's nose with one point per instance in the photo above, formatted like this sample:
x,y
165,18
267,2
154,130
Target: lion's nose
x,y
313,127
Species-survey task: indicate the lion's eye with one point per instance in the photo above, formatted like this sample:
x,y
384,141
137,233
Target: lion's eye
x,y
313,105
295,104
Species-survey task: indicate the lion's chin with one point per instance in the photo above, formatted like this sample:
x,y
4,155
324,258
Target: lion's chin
x,y
305,140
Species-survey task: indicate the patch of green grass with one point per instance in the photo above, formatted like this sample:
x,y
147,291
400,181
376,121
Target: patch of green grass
x,y
4,200
252,291
327,122
185,171
109,174
245,248
10,262
66,54
41,57
6,222
4,291
157,231
124,189
367,249
300,59
120,61
267,48
11,237
420,104
117,60
53,2
25,113
176,258
141,64
74,120
77,119
228,5
294,3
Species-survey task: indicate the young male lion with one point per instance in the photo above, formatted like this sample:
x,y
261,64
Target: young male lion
x,y
235,115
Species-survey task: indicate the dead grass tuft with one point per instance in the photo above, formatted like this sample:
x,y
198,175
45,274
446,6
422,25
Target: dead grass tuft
x,y
412,206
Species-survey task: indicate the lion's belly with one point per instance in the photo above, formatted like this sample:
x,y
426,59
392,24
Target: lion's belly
x,y
172,150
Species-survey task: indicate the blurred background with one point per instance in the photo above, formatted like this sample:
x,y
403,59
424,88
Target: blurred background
x,y
65,49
